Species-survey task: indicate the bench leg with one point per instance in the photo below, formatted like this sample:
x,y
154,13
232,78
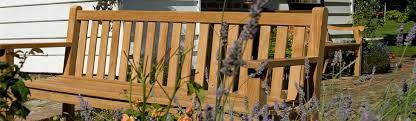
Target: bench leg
x,y
359,59
325,64
68,111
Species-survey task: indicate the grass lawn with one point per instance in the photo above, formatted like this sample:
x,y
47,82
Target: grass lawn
x,y
390,28
398,50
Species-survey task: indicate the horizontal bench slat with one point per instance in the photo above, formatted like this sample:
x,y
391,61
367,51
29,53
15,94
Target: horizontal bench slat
x,y
271,63
342,46
299,19
34,45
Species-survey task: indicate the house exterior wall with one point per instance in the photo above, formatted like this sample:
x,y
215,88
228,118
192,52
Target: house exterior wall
x,y
38,21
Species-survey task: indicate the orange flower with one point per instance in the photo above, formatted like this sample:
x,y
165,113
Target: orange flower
x,y
185,118
127,118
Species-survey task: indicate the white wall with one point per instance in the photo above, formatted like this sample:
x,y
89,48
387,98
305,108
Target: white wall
x,y
38,21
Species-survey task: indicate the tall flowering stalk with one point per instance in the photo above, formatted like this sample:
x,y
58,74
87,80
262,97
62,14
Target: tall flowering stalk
x,y
233,59
408,41
400,36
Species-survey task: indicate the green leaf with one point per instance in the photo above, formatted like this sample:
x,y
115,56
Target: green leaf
x,y
37,50
24,76
20,91
19,110
191,88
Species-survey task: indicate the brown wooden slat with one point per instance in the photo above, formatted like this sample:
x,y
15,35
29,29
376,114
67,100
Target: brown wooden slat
x,y
103,49
81,48
92,49
255,90
202,54
114,50
244,77
74,99
188,50
197,17
232,36
72,36
213,78
174,54
34,45
161,51
148,56
316,44
114,90
137,47
279,53
125,51
281,62
296,73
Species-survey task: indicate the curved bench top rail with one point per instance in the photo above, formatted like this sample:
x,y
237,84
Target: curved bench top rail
x,y
298,19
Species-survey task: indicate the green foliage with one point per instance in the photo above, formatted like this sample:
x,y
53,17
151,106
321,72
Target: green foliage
x,y
366,14
13,92
398,50
411,9
397,16
375,54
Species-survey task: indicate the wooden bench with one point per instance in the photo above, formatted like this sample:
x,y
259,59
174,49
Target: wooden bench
x,y
105,89
356,46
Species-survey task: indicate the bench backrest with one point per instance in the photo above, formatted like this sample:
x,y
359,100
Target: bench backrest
x,y
305,31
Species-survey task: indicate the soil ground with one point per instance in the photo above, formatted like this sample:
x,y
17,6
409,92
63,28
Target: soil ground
x,y
370,90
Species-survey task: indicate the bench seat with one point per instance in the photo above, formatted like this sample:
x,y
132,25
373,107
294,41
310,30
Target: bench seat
x,y
111,94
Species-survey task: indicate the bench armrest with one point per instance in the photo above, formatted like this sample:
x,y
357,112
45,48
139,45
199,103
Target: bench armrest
x,y
34,45
342,46
360,28
272,63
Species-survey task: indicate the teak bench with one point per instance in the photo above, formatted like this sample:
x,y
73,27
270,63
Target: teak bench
x,y
356,46
106,89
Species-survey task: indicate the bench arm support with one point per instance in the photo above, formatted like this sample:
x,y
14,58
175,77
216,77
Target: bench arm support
x,y
272,63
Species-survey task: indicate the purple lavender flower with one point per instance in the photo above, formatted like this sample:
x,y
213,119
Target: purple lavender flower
x,y
366,114
209,113
345,111
233,59
224,33
255,112
400,36
411,35
85,109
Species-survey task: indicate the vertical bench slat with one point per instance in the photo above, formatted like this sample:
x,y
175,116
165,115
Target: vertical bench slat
x,y
114,50
202,54
103,49
81,48
174,54
92,49
296,72
232,36
255,90
137,47
148,56
188,50
213,78
279,52
244,77
122,75
161,49
72,36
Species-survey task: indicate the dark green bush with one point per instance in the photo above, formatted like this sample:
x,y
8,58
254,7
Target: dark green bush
x,y
375,54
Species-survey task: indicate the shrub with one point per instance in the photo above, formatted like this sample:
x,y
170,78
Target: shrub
x,y
397,16
375,54
13,91
366,14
